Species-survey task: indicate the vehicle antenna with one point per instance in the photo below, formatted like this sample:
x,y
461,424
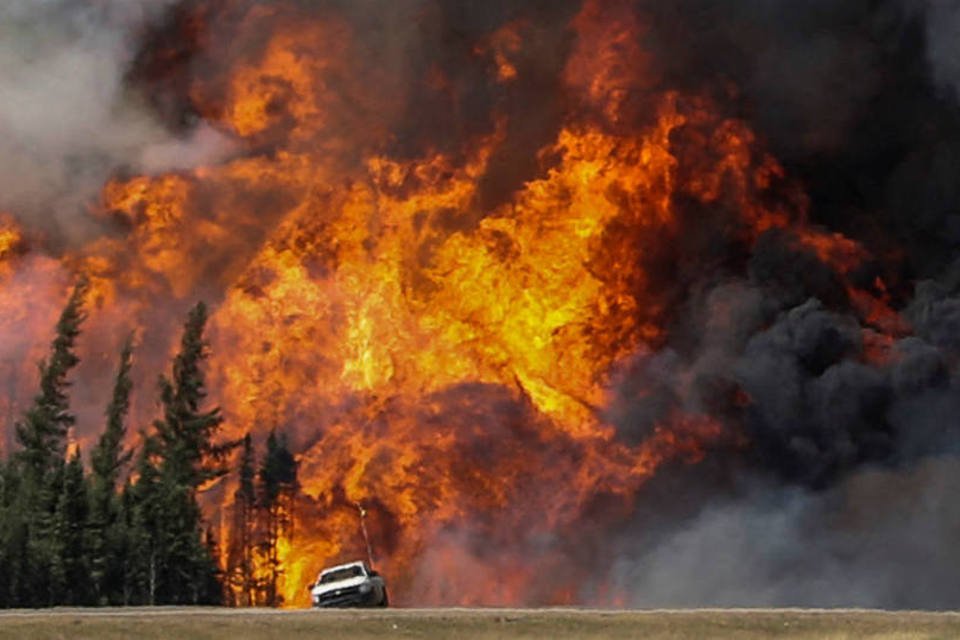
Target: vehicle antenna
x,y
366,536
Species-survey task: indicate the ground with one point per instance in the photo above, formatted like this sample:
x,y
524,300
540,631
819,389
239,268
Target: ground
x,y
481,624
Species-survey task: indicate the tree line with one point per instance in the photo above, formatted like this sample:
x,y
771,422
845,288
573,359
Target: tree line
x,y
128,529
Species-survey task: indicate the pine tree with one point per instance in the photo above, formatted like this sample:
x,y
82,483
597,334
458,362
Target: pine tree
x,y
42,433
175,564
16,577
34,542
70,571
186,431
44,582
144,519
14,534
129,561
7,521
186,566
108,542
278,488
108,456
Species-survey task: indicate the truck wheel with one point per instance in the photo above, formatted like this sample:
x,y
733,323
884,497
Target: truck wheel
x,y
385,602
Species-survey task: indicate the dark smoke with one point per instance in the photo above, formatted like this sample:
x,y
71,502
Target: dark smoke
x,y
857,98
845,494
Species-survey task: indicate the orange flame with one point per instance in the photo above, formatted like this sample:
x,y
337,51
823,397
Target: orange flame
x,y
382,312
10,242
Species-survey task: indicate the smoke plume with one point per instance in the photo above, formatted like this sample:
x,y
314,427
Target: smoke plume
x,y
69,119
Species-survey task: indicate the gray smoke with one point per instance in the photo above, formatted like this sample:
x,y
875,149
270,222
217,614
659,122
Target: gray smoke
x,y
846,493
943,27
67,117
882,538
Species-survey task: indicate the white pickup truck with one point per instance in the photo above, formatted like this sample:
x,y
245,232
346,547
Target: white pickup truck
x,y
349,585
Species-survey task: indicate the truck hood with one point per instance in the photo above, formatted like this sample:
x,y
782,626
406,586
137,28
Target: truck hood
x,y
342,584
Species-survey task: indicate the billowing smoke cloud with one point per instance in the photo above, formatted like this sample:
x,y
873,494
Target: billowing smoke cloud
x,y
845,494
68,118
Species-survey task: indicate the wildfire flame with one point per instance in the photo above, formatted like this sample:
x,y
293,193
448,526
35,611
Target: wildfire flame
x,y
443,364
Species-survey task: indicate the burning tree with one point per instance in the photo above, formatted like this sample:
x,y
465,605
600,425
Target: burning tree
x,y
240,558
278,492
263,513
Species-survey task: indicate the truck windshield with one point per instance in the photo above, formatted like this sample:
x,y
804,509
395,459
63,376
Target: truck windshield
x,y
341,574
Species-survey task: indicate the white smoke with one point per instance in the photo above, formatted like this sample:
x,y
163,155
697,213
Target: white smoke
x,y
67,118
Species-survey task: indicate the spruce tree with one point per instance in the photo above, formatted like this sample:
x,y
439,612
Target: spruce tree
x,y
108,543
130,561
35,542
14,575
166,529
7,518
70,573
16,578
42,433
44,582
186,430
108,456
186,566
145,522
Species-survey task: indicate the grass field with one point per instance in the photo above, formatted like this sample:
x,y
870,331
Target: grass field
x,y
486,624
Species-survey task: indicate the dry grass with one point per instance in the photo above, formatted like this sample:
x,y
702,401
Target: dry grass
x,y
481,624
